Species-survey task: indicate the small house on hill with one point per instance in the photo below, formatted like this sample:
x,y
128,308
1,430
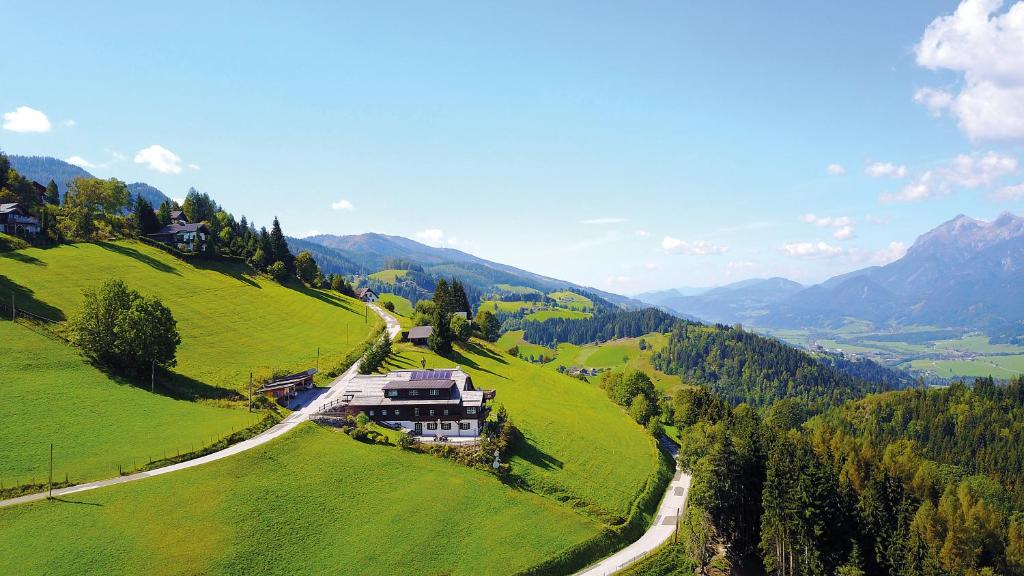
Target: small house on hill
x,y
16,221
288,386
184,237
420,335
178,217
366,295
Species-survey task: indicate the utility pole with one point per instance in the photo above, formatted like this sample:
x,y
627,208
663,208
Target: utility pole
x,y
318,359
50,494
675,535
152,375
12,308
250,391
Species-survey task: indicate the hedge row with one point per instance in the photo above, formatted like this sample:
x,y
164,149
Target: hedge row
x,y
612,538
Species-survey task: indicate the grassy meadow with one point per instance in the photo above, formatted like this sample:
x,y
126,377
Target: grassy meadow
x,y
312,502
572,301
231,321
579,444
95,423
403,307
542,315
390,276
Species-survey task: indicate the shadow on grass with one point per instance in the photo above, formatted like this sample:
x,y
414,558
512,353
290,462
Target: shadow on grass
x,y
24,298
327,297
79,502
534,455
23,258
463,360
238,271
171,384
136,255
479,350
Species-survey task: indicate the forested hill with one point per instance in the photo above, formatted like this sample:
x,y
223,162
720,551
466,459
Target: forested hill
x,y
606,324
745,367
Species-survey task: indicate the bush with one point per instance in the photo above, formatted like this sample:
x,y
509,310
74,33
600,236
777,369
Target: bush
x,y
389,306
362,419
278,271
405,440
461,329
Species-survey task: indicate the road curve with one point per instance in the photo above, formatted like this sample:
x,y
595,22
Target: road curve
x,y
673,504
279,429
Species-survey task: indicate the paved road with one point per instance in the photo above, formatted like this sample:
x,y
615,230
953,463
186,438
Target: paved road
x,y
673,503
281,428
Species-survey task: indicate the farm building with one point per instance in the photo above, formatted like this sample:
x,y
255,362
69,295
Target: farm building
x,y
288,386
16,221
184,237
420,335
423,402
366,295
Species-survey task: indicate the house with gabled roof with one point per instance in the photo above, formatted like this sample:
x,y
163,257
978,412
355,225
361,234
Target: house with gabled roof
x,y
17,221
367,294
420,335
425,403
184,237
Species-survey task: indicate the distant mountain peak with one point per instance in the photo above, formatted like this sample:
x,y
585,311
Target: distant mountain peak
x,y
965,235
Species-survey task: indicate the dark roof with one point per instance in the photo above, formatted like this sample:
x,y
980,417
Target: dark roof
x,y
175,214
360,292
305,374
431,375
420,332
11,207
39,187
425,384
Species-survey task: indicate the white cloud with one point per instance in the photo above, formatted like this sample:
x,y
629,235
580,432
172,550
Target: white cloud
x,y
894,251
812,250
842,226
158,158
835,169
988,50
642,234
193,167
879,169
604,221
70,123
698,248
344,205
651,266
878,220
80,162
435,237
179,201
1008,193
965,171
25,119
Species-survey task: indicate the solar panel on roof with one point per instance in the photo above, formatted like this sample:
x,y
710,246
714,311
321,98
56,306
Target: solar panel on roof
x,y
431,375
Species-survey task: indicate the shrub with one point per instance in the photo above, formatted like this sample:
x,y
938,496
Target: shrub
x,y
405,440
362,419
278,271
461,329
389,306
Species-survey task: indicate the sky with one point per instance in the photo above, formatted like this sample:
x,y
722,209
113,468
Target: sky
x,y
628,146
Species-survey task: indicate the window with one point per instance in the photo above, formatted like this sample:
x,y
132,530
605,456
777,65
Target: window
x,y
470,409
383,412
396,412
371,412
414,392
416,411
431,411
446,425
445,411
435,392
431,425
392,393
463,425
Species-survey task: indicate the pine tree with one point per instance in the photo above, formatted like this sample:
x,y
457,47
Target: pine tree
x,y
52,194
165,213
279,246
442,296
441,337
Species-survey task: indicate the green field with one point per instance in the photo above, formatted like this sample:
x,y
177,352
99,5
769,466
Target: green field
x,y
389,276
231,321
515,338
402,305
511,307
542,315
312,502
618,354
513,289
572,301
51,394
996,366
579,444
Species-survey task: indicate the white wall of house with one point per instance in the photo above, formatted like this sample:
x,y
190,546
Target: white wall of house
x,y
456,430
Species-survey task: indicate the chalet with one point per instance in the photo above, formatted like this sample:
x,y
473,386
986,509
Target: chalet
x,y
16,221
366,295
178,217
40,191
422,402
420,335
288,386
184,237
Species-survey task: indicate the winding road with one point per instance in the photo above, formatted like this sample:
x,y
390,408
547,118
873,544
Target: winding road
x,y
279,429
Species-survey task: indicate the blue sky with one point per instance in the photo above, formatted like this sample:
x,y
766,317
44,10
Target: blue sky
x,y
627,146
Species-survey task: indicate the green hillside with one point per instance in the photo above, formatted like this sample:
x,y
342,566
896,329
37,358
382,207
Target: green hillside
x,y
231,321
51,394
580,445
312,502
572,300
390,276
542,315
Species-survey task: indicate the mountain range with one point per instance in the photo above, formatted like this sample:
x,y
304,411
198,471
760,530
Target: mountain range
x,y
371,252
965,273
42,169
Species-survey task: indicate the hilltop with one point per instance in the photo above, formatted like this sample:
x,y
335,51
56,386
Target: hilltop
x,y
42,169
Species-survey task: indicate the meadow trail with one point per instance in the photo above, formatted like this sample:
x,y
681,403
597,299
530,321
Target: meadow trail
x,y
281,428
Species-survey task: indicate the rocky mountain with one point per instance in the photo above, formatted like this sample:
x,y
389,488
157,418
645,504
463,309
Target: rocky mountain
x,y
367,253
965,273
42,169
741,302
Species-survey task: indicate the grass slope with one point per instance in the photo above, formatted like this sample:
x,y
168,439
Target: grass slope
x,y
572,301
312,502
390,276
52,395
542,315
579,445
403,307
230,320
